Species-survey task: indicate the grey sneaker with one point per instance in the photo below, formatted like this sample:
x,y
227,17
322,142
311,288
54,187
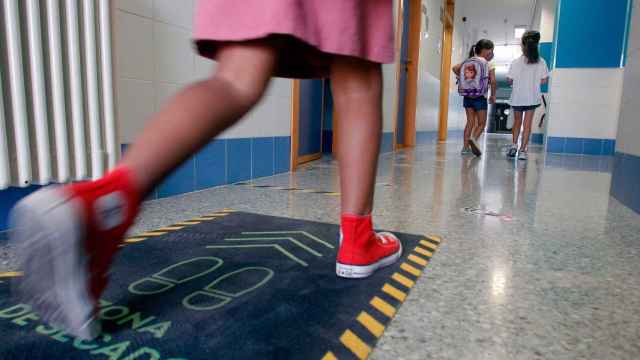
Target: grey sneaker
x,y
513,151
465,151
522,155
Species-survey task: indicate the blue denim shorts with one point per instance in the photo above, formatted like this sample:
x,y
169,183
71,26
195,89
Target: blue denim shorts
x,y
477,104
524,108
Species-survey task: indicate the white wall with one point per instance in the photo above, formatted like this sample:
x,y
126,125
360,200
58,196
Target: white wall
x,y
155,58
629,125
428,96
585,103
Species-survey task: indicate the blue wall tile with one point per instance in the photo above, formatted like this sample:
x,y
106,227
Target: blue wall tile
x,y
238,160
282,154
537,138
574,146
211,167
555,144
426,137
386,142
580,22
327,141
608,147
625,181
8,198
262,152
182,180
546,52
593,146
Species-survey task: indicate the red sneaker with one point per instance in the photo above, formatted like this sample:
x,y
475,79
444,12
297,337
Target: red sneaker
x,y
362,251
66,239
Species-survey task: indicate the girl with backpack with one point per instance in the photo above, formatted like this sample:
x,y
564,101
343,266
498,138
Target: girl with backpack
x,y
526,74
76,229
475,76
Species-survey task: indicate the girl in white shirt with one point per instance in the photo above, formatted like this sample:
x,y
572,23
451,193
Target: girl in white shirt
x,y
526,74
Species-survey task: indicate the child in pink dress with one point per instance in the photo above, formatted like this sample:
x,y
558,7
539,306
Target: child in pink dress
x,y
69,235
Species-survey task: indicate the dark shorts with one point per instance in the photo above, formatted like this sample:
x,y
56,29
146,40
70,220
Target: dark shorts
x,y
476,104
524,108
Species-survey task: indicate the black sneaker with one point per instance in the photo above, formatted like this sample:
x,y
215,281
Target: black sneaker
x,y
512,152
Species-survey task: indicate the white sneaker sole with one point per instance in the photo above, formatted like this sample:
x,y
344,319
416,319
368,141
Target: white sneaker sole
x,y
48,237
363,271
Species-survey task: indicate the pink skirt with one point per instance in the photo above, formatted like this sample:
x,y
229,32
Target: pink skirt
x,y
310,32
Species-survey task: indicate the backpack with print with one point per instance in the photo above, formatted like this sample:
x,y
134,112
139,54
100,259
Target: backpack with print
x,y
474,78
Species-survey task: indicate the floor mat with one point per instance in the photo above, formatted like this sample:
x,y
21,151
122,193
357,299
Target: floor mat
x,y
229,285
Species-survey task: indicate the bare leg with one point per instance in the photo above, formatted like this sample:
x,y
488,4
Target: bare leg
x,y
517,124
357,93
528,119
201,111
481,123
471,124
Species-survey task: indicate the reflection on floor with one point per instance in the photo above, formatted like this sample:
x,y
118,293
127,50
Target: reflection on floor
x,y
538,261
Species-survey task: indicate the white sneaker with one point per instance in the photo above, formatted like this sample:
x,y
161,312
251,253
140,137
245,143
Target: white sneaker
x,y
522,155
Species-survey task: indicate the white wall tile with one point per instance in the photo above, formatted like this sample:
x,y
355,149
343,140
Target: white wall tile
x,y
138,7
585,103
133,46
135,105
164,92
175,12
203,68
173,54
629,126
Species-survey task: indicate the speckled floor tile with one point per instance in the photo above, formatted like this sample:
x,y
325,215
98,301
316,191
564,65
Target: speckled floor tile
x,y
545,266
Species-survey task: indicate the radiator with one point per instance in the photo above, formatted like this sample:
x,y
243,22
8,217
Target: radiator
x,y
56,96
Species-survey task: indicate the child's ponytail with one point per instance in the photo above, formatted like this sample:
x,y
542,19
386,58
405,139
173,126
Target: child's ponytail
x,y
530,41
472,52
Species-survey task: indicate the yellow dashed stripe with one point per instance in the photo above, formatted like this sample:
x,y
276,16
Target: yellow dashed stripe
x,y
333,194
428,245
135,240
403,280
171,228
373,325
153,233
394,292
10,274
435,238
410,269
355,344
418,260
204,218
189,223
329,356
423,251
383,306
228,210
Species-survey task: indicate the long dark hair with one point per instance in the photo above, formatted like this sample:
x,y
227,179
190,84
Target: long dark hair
x,y
530,41
482,44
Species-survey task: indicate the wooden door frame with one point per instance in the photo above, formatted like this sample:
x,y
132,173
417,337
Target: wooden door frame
x,y
296,159
411,91
445,71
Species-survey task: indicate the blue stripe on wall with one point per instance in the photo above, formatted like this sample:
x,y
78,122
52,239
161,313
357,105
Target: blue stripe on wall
x,y
210,165
386,142
221,162
8,198
591,34
580,146
625,180
262,154
426,137
537,139
546,52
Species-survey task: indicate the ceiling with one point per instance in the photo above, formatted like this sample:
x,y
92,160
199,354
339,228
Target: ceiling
x,y
486,18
